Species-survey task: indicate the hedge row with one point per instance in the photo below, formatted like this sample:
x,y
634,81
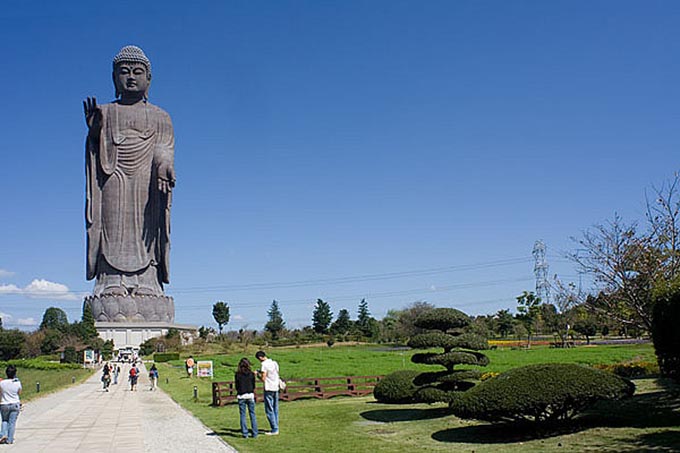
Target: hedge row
x,y
165,356
38,364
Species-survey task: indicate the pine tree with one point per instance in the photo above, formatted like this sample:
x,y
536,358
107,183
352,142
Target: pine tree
x,y
322,317
365,322
342,324
87,328
275,325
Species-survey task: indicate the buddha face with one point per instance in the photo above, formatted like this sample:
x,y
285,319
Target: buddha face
x,y
131,79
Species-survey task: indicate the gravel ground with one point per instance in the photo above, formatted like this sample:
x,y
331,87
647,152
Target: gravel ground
x,y
85,418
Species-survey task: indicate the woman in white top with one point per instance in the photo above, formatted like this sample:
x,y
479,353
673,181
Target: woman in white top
x,y
10,404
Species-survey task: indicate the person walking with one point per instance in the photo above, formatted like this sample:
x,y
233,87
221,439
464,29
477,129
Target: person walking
x,y
10,404
116,372
134,375
153,377
245,394
269,374
106,377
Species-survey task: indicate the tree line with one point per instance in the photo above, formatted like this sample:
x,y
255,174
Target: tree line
x,y
55,335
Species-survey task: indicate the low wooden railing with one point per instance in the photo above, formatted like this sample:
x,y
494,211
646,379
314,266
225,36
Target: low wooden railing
x,y
321,388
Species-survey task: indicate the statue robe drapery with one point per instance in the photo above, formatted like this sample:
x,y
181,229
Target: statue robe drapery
x,y
127,217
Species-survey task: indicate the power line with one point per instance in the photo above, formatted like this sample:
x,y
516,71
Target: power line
x,y
354,279
304,283
362,295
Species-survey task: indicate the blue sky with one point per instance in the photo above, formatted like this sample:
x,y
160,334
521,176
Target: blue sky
x,y
392,150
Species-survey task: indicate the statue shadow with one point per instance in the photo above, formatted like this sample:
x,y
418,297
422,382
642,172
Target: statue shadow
x,y
404,415
660,409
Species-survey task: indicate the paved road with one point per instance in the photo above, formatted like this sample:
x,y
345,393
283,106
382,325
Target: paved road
x,y
84,418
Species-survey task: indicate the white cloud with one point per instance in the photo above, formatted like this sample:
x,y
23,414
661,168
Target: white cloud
x,y
5,273
237,318
44,289
5,316
10,289
27,322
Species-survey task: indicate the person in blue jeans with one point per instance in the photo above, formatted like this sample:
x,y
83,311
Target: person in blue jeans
x,y
269,374
10,405
245,394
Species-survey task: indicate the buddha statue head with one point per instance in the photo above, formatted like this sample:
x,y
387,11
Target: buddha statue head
x,y
131,74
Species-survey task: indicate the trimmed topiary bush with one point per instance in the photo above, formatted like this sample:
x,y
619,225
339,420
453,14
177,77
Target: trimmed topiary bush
x,y
460,348
396,388
444,340
442,319
540,393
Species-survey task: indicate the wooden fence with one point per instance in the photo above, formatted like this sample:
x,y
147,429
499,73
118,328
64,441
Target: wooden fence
x,y
321,388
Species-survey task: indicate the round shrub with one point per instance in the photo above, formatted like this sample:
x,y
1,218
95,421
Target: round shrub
x,y
442,319
396,388
540,393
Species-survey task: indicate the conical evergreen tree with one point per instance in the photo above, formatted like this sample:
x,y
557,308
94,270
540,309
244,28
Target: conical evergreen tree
x,y
89,331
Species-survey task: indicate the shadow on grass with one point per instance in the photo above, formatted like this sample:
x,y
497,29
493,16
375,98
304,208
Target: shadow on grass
x,y
227,432
657,409
660,409
666,441
502,434
404,415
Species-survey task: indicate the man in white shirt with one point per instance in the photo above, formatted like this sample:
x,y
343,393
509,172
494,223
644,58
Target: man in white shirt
x,y
269,374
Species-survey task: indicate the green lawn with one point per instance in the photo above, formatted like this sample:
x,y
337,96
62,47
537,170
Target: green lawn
x,y
650,421
50,380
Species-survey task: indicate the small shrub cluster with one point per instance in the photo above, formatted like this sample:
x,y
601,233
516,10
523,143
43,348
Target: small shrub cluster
x,y
631,369
396,388
540,393
165,356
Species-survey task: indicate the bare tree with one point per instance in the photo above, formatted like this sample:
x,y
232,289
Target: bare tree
x,y
627,260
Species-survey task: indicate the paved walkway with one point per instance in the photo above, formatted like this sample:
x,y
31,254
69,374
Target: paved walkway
x,y
84,418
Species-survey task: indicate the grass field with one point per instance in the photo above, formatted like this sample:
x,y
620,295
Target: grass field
x,y
50,380
650,421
